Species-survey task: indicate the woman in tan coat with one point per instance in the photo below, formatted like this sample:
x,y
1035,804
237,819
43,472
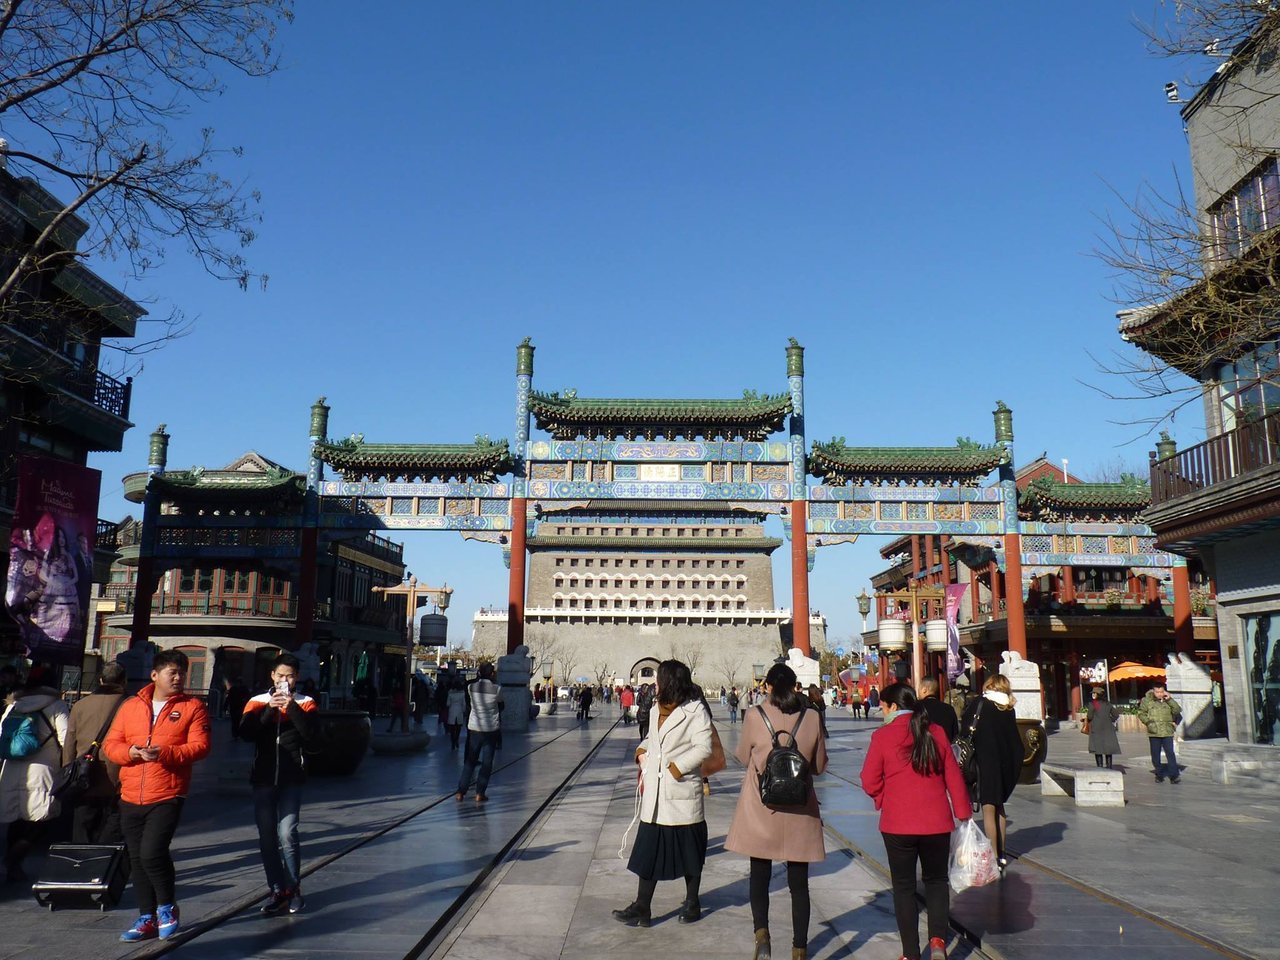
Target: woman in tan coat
x,y
766,834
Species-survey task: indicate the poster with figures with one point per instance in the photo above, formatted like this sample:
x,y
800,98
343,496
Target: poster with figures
x,y
1262,650
51,543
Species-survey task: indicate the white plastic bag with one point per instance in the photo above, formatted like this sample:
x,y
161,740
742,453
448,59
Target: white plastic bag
x,y
973,861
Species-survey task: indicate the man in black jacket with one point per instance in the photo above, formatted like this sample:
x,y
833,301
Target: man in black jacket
x,y
279,723
940,713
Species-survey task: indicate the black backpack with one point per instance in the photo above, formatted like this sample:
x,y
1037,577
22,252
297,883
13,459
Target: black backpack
x,y
785,780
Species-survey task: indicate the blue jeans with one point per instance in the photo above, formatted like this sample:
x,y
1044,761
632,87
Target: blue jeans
x,y
479,752
276,810
1169,770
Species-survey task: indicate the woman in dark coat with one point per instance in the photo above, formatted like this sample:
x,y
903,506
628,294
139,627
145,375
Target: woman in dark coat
x,y
1102,717
998,747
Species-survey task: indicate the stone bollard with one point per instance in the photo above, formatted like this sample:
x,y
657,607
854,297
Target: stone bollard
x,y
1189,684
515,670
1028,707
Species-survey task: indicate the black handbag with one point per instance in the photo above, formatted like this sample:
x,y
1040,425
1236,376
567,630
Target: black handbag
x,y
78,776
966,756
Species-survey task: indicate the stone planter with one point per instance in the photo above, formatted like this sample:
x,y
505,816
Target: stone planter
x,y
1129,723
340,744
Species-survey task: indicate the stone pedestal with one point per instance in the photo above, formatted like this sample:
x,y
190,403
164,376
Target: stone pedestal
x,y
1190,684
396,742
515,670
340,742
1028,707
807,669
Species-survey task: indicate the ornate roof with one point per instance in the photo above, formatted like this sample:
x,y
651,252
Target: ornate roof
x,y
967,462
355,459
225,486
566,416
683,544
1218,317
1048,499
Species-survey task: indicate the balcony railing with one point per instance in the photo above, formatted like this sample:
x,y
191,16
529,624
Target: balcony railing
x,y
254,606
1242,451
106,537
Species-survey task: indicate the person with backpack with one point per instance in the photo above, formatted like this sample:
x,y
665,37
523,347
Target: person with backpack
x,y
774,733
671,840
644,706
912,775
96,817
32,731
734,701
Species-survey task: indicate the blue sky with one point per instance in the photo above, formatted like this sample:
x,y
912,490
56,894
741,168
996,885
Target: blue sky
x,y
660,194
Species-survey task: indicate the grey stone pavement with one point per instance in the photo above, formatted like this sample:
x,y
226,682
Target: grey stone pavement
x,y
1181,871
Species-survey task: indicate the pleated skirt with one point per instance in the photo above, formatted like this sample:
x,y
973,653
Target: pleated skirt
x,y
669,853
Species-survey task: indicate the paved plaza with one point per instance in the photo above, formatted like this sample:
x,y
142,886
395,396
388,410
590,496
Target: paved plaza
x,y
397,868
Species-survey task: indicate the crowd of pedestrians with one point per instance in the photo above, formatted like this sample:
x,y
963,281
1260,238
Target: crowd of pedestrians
x,y
149,742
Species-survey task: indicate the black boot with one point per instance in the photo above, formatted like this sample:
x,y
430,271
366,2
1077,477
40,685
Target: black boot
x,y
1098,757
1108,761
690,912
633,915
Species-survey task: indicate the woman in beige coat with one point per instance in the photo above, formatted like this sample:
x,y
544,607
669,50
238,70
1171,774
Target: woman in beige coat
x,y
766,834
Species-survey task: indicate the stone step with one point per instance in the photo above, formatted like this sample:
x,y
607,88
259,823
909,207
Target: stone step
x,y
1241,764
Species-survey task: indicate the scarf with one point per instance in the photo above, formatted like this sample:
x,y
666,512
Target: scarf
x,y
1001,700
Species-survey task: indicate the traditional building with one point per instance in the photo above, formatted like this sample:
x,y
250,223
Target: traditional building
x,y
55,400
1218,501
229,598
616,585
1088,597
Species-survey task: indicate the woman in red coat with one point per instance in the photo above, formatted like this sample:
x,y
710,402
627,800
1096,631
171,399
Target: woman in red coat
x,y
917,786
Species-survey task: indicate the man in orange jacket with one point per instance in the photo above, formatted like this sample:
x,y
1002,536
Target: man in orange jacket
x,y
155,738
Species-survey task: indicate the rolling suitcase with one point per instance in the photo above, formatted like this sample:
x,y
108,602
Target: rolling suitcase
x,y
76,875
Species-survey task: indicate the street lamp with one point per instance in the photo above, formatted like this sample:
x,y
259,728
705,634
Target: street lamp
x,y
410,589
864,607
546,679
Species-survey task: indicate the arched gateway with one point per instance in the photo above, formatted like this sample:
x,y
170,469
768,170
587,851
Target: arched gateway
x,y
634,526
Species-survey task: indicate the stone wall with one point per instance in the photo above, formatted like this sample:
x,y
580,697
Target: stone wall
x,y
721,654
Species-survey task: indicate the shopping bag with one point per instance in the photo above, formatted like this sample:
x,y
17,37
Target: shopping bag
x,y
973,861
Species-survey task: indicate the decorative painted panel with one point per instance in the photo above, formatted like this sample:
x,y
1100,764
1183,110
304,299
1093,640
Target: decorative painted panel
x,y
918,511
626,471
1121,544
545,490
547,471
1087,529
771,471
984,511
459,508
899,527
948,511
1037,543
693,471
495,508
340,488
1093,545
825,510
1099,559
402,506
904,493
890,511
579,471
717,473
639,450
364,521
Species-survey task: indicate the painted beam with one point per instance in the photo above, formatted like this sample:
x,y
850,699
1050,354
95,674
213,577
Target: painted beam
x,y
341,488
641,451
897,528
370,521
1087,529
672,490
934,494
1098,559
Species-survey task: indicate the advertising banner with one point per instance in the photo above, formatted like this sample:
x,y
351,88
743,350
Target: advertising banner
x,y
55,520
955,663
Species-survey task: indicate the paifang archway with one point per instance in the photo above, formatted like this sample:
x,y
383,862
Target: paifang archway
x,y
748,455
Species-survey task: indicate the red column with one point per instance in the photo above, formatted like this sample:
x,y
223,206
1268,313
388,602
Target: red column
x,y
1067,591
915,557
800,576
1013,602
948,574
975,601
515,584
1153,590
1184,638
995,589
305,620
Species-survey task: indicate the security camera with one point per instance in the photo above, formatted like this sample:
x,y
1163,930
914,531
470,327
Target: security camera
x,y
1171,92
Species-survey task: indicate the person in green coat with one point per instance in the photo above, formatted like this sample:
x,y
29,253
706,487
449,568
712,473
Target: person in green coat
x,y
1161,713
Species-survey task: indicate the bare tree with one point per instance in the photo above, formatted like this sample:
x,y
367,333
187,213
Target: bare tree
x,y
1117,470
93,99
1190,293
602,672
729,664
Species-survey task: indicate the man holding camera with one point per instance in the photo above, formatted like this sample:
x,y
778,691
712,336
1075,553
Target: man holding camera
x,y
1161,713
279,723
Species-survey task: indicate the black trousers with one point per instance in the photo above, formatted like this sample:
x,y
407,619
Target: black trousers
x,y
797,883
932,852
148,830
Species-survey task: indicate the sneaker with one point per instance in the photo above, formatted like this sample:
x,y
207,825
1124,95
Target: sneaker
x,y
296,903
1159,778
144,928
1175,779
276,904
167,919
